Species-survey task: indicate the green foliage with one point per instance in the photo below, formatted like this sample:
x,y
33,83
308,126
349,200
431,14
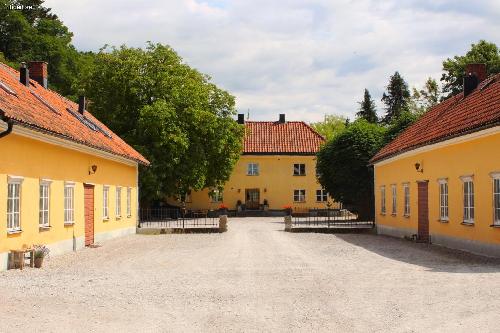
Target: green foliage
x,y
367,108
342,165
331,126
171,113
396,98
398,125
424,99
482,52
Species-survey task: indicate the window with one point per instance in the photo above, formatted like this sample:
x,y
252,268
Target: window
x,y
382,200
105,202
496,198
252,169
129,201
14,203
299,195
216,196
118,202
406,189
443,200
299,169
321,195
43,216
69,203
468,199
393,188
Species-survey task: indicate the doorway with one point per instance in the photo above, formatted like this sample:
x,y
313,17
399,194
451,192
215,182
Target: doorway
x,y
89,214
423,212
252,198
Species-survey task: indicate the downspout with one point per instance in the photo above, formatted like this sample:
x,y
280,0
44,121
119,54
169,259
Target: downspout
x,y
10,124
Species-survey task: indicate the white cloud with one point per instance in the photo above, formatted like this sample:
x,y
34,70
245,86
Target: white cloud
x,y
303,58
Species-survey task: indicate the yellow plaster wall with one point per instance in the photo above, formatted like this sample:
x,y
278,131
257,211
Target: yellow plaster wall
x,y
478,157
35,160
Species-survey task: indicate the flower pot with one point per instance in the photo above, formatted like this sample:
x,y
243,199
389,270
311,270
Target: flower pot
x,y
38,262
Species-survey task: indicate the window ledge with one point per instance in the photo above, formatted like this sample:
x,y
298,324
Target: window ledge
x,y
467,223
299,175
443,221
14,232
383,214
105,219
252,175
44,228
393,214
407,216
497,225
118,217
129,216
69,224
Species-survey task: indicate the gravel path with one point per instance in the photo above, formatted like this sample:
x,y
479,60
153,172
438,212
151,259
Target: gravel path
x,y
255,278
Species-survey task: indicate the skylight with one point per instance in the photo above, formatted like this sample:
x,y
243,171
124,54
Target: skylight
x,y
89,123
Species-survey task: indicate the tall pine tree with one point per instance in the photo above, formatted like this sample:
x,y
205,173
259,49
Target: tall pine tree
x,y
367,108
396,98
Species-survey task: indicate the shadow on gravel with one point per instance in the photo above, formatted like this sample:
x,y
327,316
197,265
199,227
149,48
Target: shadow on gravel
x,y
433,257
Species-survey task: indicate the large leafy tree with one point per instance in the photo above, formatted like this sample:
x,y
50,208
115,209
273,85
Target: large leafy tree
x,y
396,97
454,68
171,113
342,166
425,98
367,108
330,126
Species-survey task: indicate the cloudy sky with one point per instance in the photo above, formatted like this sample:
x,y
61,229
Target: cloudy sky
x,y
302,58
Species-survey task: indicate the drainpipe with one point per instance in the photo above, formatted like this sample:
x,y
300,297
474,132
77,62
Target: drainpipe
x,y
9,122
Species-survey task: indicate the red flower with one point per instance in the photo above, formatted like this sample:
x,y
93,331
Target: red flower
x,y
222,206
287,207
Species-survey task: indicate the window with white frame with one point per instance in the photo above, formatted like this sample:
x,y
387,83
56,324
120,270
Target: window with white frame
x,y
393,189
252,169
44,203
299,195
406,190
468,189
69,203
443,200
14,203
129,201
105,202
496,198
321,195
215,196
382,200
118,202
299,169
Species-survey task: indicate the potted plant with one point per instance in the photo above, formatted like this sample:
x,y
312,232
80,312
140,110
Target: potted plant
x,y
40,252
223,209
288,210
266,205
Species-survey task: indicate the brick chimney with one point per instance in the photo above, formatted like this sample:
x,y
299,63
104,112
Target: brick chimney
x,y
474,75
282,119
24,75
38,72
81,104
241,118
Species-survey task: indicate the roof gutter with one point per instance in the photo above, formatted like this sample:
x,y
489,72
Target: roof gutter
x,y
10,124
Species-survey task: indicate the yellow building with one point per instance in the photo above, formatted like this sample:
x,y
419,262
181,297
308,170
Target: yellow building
x,y
277,168
66,180
439,181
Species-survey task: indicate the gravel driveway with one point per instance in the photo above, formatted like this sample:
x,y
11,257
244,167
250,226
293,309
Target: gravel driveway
x,y
255,278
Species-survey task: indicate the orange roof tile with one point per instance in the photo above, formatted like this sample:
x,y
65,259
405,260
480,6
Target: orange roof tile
x,y
46,111
454,117
291,137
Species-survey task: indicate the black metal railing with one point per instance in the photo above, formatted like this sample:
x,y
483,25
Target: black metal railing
x,y
178,218
327,218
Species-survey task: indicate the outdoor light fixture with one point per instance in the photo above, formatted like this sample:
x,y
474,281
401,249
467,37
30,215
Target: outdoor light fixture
x,y
419,167
92,169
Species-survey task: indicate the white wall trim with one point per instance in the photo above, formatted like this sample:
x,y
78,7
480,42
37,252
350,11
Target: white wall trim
x,y
453,141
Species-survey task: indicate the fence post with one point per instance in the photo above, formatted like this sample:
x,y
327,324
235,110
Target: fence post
x,y
288,223
223,223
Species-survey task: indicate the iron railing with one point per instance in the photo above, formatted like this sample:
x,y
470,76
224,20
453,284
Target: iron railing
x,y
327,218
177,218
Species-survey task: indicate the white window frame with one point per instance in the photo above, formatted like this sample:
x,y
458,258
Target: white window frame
x,y
69,203
118,202
44,203
252,169
468,199
444,214
216,196
105,202
14,203
496,198
383,207
406,194
394,199
321,195
298,170
299,195
129,201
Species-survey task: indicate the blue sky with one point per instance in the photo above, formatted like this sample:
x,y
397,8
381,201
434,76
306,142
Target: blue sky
x,y
302,58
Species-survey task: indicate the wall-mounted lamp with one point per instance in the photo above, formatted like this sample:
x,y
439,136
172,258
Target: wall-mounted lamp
x,y
92,169
265,190
419,167
239,190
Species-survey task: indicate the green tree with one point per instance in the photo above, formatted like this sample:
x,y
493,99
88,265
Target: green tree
x,y
330,126
454,68
342,166
171,113
367,108
396,98
399,124
424,99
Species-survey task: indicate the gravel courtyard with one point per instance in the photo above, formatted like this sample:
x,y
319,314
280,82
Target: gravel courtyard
x,y
255,278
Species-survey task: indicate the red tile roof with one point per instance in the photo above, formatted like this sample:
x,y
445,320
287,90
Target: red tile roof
x,y
454,117
46,111
291,137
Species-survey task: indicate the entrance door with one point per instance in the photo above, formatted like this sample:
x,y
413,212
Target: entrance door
x,y
423,212
252,200
89,214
